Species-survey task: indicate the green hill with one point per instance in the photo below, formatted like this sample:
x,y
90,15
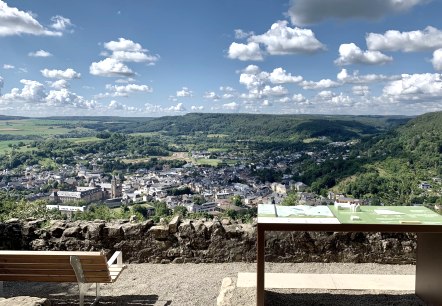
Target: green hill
x,y
277,127
393,165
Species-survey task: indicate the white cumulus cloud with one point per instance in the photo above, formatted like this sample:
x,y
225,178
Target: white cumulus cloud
x,y
61,23
322,84
437,59
240,34
40,53
280,39
123,44
280,76
7,66
110,67
351,54
184,92
415,87
211,95
356,78
59,84
16,22
231,106
177,108
115,105
266,103
136,56
428,39
274,91
197,108
32,92
123,50
360,90
125,90
126,50
341,100
245,52
298,98
64,97
60,74
304,12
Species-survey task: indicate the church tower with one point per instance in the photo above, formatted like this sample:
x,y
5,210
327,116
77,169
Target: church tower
x,y
115,188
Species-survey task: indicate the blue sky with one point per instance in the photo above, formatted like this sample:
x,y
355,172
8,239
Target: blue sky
x,y
163,57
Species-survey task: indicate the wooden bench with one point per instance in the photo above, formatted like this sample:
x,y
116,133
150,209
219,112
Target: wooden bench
x,y
84,268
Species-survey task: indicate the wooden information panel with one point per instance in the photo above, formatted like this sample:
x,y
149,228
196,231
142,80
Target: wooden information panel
x,y
354,218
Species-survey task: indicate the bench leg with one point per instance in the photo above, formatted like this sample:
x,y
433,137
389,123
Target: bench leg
x,y
97,291
83,289
2,292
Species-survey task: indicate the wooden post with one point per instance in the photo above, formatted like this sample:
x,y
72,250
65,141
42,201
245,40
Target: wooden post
x,y
260,266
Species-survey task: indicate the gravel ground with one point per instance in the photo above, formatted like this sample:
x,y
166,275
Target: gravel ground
x,y
199,285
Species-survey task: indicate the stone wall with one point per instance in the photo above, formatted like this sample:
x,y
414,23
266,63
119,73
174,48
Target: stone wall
x,y
182,241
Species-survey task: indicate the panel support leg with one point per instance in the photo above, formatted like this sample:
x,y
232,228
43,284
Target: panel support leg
x,y
260,261
429,268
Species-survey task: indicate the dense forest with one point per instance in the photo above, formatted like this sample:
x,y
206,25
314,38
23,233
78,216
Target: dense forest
x,y
388,168
243,126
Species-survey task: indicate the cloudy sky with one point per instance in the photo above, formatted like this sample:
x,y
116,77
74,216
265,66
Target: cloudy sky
x,y
163,57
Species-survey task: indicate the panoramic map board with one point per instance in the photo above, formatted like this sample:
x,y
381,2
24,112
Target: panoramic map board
x,y
269,213
388,215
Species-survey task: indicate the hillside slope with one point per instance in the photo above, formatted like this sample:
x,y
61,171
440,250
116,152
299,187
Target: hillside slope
x,y
396,163
273,126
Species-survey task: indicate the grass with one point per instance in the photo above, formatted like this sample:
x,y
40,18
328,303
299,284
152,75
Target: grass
x,y
4,146
217,135
84,139
136,160
218,150
208,162
146,134
48,163
32,127
313,139
39,127
118,209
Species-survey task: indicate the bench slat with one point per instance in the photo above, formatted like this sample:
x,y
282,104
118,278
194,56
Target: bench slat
x,y
53,253
101,272
52,259
58,278
37,271
55,266
87,267
39,278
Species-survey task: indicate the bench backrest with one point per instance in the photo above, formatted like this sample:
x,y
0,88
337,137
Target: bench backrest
x,y
52,266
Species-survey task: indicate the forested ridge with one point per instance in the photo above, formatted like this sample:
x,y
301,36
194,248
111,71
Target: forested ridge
x,y
394,164
285,127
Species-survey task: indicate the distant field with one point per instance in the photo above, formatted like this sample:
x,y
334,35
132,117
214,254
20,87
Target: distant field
x,y
84,139
208,162
217,135
218,150
4,145
146,134
135,160
39,127
313,139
